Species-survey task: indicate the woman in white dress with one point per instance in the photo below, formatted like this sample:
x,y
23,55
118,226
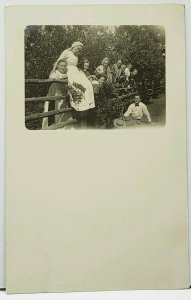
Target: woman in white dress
x,y
80,88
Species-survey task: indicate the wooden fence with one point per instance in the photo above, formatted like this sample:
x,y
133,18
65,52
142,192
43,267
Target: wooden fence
x,y
127,92
42,115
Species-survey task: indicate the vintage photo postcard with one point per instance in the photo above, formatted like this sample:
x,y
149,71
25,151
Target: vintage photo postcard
x,y
96,174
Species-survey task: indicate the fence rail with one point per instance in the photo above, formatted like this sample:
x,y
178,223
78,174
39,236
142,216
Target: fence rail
x,y
46,114
45,80
42,115
46,98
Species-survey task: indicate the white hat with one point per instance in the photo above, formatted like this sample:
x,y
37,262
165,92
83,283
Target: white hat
x,y
77,44
119,123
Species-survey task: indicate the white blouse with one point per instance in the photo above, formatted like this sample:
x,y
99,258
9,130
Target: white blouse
x,y
127,73
138,111
57,75
71,59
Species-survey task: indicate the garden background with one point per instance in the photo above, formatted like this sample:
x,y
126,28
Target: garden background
x,y
143,46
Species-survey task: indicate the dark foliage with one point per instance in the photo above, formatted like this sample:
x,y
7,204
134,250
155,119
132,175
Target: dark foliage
x,y
143,46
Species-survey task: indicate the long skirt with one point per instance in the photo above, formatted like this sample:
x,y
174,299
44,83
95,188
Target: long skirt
x,y
80,89
57,89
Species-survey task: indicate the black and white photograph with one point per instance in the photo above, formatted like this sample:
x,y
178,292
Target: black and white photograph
x,y
94,77
103,208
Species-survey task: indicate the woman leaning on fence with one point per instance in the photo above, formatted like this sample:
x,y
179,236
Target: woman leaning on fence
x,y
58,89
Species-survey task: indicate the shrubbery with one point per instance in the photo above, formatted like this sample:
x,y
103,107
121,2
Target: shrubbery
x,y
140,45
110,104
143,46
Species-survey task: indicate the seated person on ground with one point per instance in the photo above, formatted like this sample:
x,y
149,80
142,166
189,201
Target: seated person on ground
x,y
136,111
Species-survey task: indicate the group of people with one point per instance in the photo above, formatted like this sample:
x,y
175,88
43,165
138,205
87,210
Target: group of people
x,y
82,86
117,73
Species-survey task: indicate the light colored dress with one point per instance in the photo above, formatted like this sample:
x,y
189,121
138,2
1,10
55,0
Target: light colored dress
x,y
80,88
101,71
127,73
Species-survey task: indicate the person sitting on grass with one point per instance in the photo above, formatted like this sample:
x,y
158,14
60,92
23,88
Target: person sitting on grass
x,y
136,111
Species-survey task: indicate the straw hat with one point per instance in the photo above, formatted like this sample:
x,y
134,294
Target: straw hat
x,y
119,123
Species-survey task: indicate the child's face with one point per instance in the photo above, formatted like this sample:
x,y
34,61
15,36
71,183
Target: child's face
x,y
62,67
86,65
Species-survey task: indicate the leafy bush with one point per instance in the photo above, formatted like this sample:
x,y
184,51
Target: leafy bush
x,y
110,105
143,46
